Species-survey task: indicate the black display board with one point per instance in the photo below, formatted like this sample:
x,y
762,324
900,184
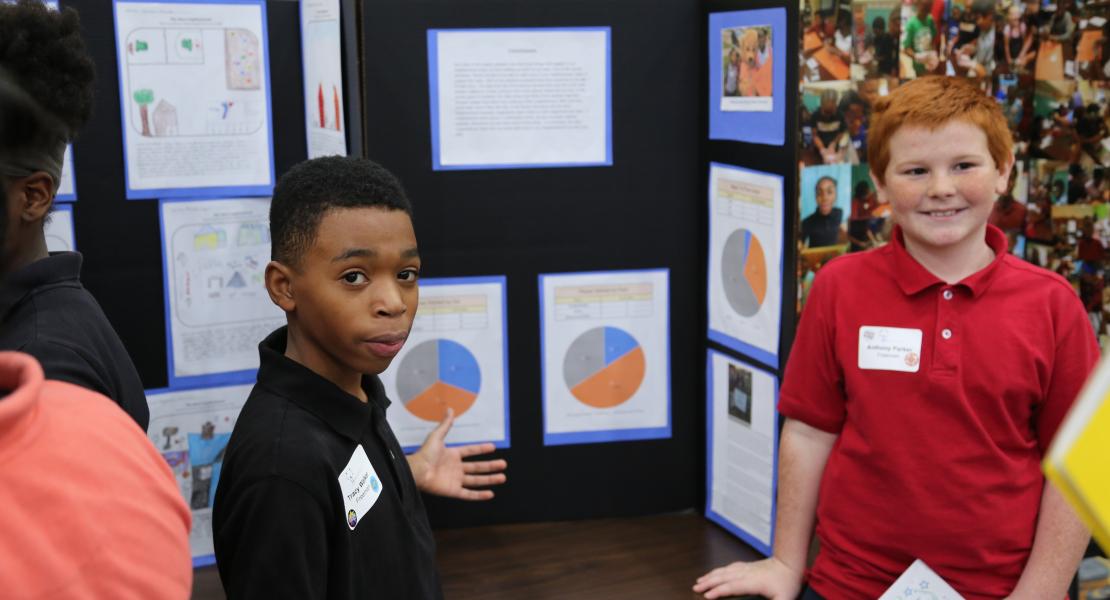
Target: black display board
x,y
646,211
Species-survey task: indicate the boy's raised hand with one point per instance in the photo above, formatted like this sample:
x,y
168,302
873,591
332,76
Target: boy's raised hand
x,y
770,577
442,471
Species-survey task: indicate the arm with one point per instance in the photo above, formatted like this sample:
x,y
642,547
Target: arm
x,y
440,470
1058,546
271,541
802,458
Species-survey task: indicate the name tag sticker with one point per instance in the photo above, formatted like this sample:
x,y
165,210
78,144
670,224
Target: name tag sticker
x,y
889,349
360,485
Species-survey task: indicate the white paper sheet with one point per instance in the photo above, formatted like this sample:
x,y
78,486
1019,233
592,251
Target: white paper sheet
x,y
323,78
743,424
606,356
215,254
745,260
195,92
59,230
455,356
67,192
517,97
191,429
919,582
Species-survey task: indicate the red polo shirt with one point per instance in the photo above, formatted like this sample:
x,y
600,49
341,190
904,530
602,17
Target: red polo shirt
x,y
942,464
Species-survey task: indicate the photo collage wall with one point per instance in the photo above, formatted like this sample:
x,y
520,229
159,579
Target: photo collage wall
x,y
1047,63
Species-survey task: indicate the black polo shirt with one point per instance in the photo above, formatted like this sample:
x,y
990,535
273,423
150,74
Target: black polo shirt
x,y
279,520
47,313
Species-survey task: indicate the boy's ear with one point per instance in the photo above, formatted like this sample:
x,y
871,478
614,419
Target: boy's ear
x,y
1003,184
33,196
279,284
880,189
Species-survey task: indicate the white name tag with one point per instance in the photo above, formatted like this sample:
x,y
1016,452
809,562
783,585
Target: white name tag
x,y
889,349
360,485
920,582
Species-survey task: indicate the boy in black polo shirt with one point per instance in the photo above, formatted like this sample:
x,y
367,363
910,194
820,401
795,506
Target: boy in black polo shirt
x,y
44,309
316,498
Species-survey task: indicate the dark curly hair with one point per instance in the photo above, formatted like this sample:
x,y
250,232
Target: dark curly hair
x,y
42,50
313,187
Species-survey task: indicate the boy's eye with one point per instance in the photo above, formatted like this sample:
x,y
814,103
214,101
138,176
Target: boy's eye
x,y
965,166
354,278
408,275
916,171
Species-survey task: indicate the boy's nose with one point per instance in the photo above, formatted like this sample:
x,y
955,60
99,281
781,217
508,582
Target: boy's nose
x,y
389,302
941,185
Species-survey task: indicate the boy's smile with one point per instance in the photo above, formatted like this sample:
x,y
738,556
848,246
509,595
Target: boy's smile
x,y
352,298
941,185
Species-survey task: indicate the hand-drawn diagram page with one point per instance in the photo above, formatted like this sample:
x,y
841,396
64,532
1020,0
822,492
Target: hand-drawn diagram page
x,y
217,307
195,98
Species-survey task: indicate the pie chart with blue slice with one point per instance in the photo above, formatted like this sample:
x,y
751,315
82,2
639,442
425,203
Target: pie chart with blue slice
x,y
436,375
604,367
744,272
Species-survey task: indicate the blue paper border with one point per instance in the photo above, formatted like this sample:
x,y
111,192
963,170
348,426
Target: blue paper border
x,y
73,162
72,224
433,95
770,359
195,192
755,127
503,282
710,514
189,381
202,560
605,435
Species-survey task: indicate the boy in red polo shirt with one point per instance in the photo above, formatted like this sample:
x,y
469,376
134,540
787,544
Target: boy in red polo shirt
x,y
926,381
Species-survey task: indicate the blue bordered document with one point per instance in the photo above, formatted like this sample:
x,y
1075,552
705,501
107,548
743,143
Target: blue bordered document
x,y
456,356
214,255
605,339
520,98
194,98
321,55
746,235
58,229
190,427
747,76
741,449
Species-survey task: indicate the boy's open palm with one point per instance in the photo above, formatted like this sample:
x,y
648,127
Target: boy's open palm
x,y
442,471
770,577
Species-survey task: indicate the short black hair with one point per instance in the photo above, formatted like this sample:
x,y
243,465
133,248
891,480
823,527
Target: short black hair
x,y
42,50
311,188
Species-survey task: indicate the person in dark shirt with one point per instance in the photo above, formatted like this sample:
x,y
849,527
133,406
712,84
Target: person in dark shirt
x,y
886,48
825,226
316,498
44,310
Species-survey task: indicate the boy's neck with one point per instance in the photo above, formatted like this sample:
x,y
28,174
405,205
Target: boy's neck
x,y
953,264
300,349
26,252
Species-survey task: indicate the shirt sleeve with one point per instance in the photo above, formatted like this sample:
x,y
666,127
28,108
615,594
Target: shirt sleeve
x,y
62,363
1075,356
813,385
272,542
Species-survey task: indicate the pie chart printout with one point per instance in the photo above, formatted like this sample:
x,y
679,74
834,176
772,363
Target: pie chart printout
x,y
438,374
604,367
744,272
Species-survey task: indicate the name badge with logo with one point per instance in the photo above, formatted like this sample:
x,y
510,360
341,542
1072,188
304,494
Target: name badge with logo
x,y
889,349
360,485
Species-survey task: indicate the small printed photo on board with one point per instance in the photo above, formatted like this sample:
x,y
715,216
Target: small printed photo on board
x,y
825,206
876,26
747,75
740,394
827,41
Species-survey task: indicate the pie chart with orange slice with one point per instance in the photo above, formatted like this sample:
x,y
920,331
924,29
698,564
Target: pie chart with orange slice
x,y
604,367
744,272
436,375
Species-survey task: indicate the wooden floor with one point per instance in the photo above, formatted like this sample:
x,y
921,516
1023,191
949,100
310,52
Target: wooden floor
x,y
608,559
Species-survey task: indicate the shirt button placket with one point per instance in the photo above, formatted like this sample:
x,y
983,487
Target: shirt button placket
x,y
947,351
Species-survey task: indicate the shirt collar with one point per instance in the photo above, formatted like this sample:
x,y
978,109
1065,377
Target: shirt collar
x,y
58,267
913,278
289,379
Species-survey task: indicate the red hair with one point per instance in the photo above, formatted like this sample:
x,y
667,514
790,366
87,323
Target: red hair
x,y
932,102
